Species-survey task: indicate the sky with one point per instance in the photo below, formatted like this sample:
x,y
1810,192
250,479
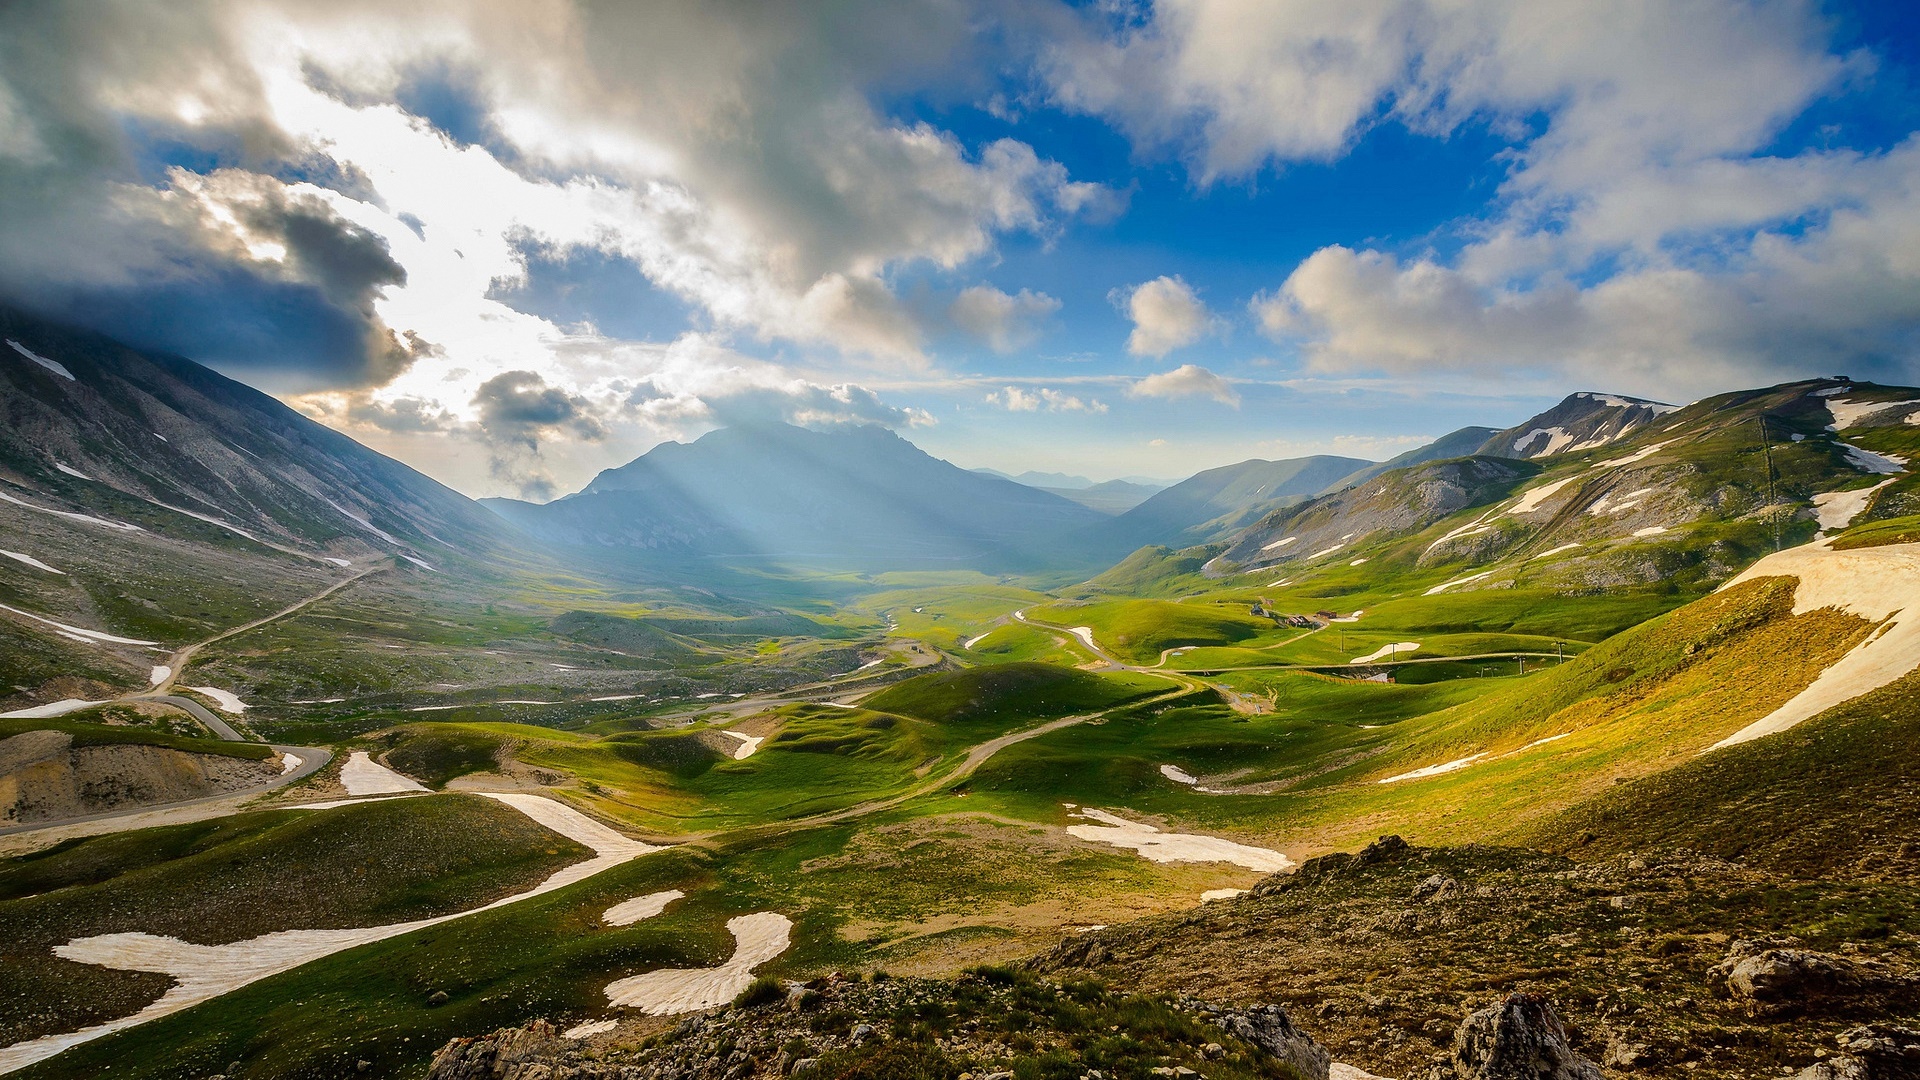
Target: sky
x,y
514,242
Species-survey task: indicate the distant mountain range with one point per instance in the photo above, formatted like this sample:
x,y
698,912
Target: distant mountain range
x,y
857,497
1054,481
95,431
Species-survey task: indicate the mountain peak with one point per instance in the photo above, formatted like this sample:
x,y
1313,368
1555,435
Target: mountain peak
x,y
1582,420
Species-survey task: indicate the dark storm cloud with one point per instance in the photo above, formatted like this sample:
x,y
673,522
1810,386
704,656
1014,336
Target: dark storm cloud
x,y
94,230
518,410
519,406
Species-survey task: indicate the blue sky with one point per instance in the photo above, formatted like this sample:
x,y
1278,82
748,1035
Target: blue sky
x,y
515,243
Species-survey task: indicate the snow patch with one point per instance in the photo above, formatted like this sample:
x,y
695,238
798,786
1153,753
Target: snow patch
x,y
31,561
1651,530
1445,585
628,912
1556,551
360,521
289,762
1837,509
72,516
976,639
362,775
1326,551
1220,894
757,938
1340,1070
54,366
43,712
1875,584
158,675
1358,561
224,699
417,562
1385,650
1533,497
338,562
1557,437
204,972
1658,408
1084,633
1162,847
71,471
1280,543
1868,461
77,633
1472,528
589,1029
748,744
214,521
1848,413
1435,770
1178,775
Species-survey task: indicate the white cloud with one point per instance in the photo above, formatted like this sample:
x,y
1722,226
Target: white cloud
x,y
1234,84
1166,314
736,160
1643,235
1043,399
1841,295
1005,322
1187,380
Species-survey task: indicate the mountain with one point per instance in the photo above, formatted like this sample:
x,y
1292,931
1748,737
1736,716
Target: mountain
x,y
1220,501
1684,498
147,502
95,425
1049,480
1395,503
1580,422
1461,443
856,497
1111,497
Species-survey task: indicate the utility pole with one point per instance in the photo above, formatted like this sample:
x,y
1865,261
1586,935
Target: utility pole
x,y
1773,503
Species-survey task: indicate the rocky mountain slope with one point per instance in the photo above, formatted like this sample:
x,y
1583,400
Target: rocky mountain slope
x,y
1462,443
1697,493
1217,502
1581,421
94,426
858,497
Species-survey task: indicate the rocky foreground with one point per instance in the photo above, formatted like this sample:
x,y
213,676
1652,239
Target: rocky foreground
x,y
1436,964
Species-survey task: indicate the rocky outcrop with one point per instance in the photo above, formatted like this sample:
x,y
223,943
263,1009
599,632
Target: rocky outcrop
x,y
1520,1038
507,1054
1871,1052
991,1024
44,777
1271,1029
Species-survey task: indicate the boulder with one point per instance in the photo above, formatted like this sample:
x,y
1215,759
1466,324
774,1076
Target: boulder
x,y
1764,976
1271,1029
1520,1038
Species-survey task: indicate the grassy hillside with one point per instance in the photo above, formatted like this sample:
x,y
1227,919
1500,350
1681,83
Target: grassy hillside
x,y
228,879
